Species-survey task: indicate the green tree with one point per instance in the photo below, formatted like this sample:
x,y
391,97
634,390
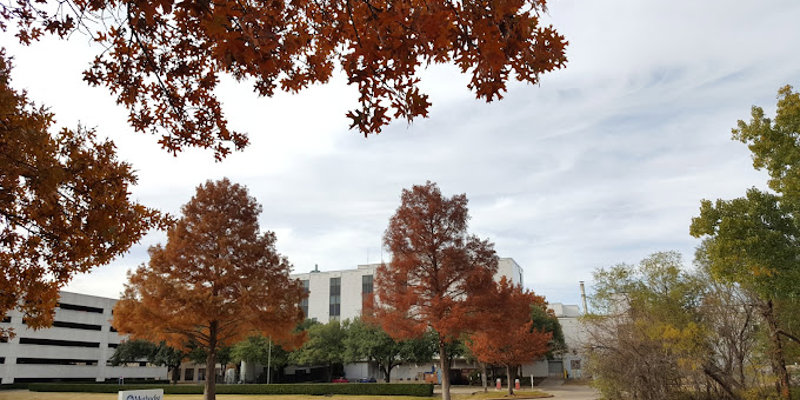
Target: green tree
x,y
259,349
752,241
364,341
325,346
158,354
544,320
648,339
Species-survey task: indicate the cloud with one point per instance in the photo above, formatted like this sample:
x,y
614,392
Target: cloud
x,y
601,163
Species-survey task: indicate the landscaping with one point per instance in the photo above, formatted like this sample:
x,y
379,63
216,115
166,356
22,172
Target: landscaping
x,y
377,389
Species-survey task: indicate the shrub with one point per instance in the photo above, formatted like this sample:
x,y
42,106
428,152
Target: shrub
x,y
14,386
374,389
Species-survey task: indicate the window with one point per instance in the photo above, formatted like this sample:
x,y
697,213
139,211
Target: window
x,y
55,361
304,302
75,325
336,299
366,284
113,345
51,342
6,320
575,364
76,307
188,374
201,374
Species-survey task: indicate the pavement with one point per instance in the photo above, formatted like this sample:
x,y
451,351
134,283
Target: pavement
x,y
557,387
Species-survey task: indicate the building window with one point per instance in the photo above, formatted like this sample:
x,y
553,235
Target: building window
x,y
76,325
6,320
366,284
336,298
304,302
52,342
188,374
201,374
75,307
55,361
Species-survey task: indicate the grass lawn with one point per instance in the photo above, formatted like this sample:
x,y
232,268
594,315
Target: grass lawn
x,y
26,395
518,394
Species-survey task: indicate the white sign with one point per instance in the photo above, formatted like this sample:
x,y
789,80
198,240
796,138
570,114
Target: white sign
x,y
152,394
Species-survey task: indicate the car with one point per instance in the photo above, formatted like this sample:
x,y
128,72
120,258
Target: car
x,y
367,380
340,379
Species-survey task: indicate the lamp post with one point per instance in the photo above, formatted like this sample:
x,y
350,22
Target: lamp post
x,y
269,360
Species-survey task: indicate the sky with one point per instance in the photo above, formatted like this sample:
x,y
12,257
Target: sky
x,y
603,162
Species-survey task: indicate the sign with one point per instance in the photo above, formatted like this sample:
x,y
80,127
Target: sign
x,y
150,394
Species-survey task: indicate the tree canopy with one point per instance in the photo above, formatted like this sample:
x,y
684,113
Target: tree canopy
x,y
752,241
217,280
325,346
508,336
158,354
438,272
163,59
365,341
65,205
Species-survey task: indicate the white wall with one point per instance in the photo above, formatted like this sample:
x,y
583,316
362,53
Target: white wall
x,y
10,370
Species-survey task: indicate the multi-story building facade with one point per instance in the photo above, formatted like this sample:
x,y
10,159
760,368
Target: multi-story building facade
x,y
76,348
339,295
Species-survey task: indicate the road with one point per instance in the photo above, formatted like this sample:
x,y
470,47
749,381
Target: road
x,y
554,387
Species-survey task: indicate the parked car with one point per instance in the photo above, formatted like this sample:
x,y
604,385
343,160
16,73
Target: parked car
x,y
367,380
340,379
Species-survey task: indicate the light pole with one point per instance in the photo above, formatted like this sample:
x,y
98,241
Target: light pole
x,y
269,360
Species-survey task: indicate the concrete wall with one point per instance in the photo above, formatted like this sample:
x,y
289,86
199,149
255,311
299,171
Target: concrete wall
x,y
103,341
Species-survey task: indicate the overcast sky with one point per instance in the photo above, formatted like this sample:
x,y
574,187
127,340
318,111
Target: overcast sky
x,y
604,162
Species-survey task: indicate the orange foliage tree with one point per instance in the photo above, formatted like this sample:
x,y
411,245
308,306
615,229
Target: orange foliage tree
x,y
217,280
64,206
163,59
437,273
508,337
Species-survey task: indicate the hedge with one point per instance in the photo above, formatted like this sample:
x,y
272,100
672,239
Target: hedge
x,y
376,389
14,386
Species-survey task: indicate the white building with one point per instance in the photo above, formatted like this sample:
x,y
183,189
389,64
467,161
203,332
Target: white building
x,y
76,348
571,361
339,295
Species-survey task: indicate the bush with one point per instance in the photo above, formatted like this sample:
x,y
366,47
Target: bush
x,y
14,386
374,389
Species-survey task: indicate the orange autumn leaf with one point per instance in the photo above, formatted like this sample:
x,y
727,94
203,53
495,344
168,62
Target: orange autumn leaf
x,y
217,280
162,59
65,206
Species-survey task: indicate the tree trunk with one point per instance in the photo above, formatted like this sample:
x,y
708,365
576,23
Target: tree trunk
x,y
776,353
510,375
176,374
386,370
444,368
725,381
210,390
484,380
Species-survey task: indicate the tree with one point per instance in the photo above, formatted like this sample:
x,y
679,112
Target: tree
x,y
508,337
365,341
546,321
215,282
158,354
325,345
163,60
259,349
65,206
661,332
437,274
752,241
